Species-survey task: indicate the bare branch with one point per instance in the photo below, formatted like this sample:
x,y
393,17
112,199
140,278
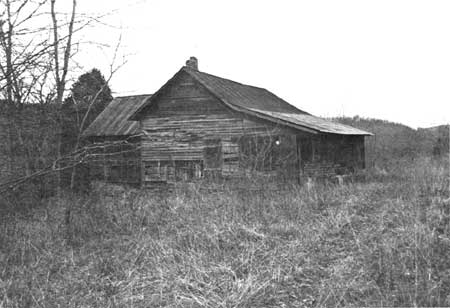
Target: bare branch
x,y
76,158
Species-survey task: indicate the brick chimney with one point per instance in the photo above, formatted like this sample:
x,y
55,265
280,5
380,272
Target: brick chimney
x,y
192,63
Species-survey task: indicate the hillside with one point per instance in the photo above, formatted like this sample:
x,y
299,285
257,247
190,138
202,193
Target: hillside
x,y
394,141
440,135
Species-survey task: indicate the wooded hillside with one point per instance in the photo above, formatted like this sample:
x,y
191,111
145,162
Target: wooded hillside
x,y
394,141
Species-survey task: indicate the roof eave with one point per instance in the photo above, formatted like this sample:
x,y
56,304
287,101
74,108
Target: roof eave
x,y
349,134
280,121
301,127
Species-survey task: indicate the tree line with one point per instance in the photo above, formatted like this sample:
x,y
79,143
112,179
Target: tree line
x,y
41,118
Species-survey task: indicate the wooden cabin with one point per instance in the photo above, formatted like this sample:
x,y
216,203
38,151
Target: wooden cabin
x,y
199,125
115,142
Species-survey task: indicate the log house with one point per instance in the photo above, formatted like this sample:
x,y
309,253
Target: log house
x,y
199,126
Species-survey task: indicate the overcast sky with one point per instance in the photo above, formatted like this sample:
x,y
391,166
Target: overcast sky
x,y
379,59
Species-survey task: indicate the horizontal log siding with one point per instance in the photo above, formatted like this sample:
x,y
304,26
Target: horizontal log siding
x,y
182,137
115,161
186,115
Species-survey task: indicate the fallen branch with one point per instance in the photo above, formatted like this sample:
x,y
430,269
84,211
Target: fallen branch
x,y
81,156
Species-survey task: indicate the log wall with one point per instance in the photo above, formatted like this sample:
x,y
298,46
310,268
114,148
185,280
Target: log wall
x,y
187,123
115,160
188,133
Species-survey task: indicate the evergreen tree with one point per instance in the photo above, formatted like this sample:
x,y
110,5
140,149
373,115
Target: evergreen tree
x,y
88,97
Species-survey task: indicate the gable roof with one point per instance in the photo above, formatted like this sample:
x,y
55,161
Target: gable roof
x,y
234,94
113,120
261,103
241,95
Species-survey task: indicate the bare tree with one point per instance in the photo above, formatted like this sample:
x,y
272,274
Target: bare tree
x,y
61,59
37,60
113,68
23,65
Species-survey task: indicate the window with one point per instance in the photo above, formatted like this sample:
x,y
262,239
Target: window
x,y
188,170
171,171
158,171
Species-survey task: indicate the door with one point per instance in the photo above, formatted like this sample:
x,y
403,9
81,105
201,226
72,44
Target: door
x,y
212,157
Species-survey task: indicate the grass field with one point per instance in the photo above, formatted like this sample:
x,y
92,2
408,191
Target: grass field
x,y
384,241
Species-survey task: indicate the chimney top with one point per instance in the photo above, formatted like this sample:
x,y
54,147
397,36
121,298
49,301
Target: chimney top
x,y
192,63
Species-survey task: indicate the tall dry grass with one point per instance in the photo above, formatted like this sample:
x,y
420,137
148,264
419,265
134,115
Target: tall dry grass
x,y
381,242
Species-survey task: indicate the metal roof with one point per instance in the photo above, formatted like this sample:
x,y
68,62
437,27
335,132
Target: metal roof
x,y
242,95
113,120
312,122
259,102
